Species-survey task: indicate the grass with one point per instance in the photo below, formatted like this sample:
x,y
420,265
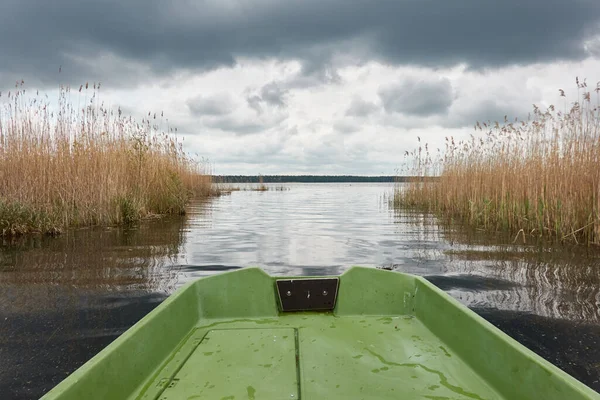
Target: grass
x,y
86,164
261,185
263,188
225,189
536,177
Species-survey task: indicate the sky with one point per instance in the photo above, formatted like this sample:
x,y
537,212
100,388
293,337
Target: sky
x,y
308,86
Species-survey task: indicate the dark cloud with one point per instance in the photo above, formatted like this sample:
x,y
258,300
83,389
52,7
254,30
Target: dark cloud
x,y
346,126
465,111
311,74
486,110
361,108
317,68
418,97
270,94
592,47
125,41
245,125
235,126
254,102
210,105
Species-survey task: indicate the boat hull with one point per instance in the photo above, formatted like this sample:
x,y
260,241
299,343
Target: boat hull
x,y
388,336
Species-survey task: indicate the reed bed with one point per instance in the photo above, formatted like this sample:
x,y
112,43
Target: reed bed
x,y
85,164
536,177
227,189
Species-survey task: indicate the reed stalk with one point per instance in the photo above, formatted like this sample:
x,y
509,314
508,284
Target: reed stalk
x,y
87,164
536,177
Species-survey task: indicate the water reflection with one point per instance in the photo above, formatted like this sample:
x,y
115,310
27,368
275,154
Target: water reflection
x,y
545,296
490,271
66,298
103,259
550,282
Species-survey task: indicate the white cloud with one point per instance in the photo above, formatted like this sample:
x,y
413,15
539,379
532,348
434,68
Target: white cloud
x,y
217,104
309,129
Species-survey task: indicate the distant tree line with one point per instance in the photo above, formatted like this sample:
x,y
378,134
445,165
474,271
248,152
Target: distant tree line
x,y
309,178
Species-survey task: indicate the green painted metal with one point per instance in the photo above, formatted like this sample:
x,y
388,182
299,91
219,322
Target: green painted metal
x,y
390,336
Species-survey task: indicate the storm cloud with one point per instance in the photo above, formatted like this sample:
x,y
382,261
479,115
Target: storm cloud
x,y
220,104
361,108
114,39
420,98
270,94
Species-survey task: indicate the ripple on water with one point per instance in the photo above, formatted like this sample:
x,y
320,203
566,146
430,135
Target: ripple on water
x,y
114,276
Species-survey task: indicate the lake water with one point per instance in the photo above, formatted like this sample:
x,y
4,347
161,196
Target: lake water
x,y
65,298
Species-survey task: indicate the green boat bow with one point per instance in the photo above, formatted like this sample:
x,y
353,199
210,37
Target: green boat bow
x,y
373,334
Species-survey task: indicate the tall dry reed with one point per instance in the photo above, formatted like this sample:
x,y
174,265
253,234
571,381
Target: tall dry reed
x,y
85,164
536,177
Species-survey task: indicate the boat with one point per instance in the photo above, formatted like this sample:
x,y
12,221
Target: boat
x,y
365,334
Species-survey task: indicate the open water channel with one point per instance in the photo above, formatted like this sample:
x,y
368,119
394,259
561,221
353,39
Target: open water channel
x,y
63,299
